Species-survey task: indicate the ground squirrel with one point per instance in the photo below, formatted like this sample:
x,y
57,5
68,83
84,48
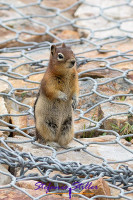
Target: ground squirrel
x,y
57,98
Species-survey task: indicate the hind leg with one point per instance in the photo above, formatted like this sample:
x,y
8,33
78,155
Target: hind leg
x,y
46,131
66,132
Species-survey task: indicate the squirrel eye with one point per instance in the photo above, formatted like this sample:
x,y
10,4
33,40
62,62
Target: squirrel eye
x,y
60,56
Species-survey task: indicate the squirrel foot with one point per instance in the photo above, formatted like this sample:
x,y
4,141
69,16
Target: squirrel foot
x,y
53,145
56,146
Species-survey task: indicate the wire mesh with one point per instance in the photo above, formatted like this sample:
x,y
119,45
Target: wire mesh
x,y
27,31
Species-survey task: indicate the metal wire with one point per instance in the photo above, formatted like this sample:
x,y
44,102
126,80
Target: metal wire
x,y
18,52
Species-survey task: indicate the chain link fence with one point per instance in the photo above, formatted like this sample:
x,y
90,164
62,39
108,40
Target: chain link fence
x,y
27,31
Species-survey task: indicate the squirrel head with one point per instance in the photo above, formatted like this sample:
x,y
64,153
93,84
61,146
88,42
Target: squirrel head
x,y
62,57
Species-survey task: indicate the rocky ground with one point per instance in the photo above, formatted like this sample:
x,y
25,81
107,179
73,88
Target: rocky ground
x,y
101,38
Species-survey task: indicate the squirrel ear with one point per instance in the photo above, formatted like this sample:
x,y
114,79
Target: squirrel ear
x,y
53,49
63,45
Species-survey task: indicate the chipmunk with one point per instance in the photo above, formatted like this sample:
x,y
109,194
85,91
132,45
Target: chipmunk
x,y
57,98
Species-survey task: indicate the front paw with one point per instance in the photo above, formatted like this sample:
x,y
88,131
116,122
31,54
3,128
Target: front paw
x,y
62,96
74,102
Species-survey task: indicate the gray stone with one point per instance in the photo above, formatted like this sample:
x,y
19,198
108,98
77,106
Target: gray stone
x,y
4,87
85,11
113,152
117,13
4,131
116,122
4,179
3,111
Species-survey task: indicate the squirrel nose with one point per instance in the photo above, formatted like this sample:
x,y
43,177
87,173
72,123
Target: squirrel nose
x,y
73,62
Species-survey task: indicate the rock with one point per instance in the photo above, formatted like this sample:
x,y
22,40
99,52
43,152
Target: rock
x,y
29,101
84,103
11,104
26,147
64,5
8,36
4,132
29,26
1,134
87,11
80,156
15,194
98,24
23,84
30,122
117,154
116,122
87,70
21,121
83,124
95,25
3,111
20,85
4,87
114,87
27,184
125,66
23,25
100,150
103,4
69,156
99,187
36,77
124,46
25,69
67,35
59,4
4,179
113,153
117,13
96,70
115,192
87,101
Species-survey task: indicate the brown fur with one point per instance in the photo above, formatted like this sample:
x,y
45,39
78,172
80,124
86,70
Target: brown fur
x,y
58,92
